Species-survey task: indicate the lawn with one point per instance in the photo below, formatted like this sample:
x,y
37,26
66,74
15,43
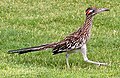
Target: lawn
x,y
26,23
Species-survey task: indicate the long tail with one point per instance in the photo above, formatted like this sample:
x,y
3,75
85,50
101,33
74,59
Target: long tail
x,y
32,49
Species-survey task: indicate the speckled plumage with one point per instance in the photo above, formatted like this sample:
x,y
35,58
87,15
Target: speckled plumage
x,y
75,41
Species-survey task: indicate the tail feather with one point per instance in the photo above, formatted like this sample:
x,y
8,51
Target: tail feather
x,y
32,49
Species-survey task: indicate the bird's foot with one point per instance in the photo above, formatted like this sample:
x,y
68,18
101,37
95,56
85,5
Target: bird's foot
x,y
102,64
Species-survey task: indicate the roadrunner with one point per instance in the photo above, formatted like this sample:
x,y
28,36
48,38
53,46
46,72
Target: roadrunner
x,y
72,43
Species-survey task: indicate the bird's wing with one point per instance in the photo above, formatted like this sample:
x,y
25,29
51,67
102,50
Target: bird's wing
x,y
71,42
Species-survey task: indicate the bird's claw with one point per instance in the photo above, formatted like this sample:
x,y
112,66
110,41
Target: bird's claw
x,y
102,64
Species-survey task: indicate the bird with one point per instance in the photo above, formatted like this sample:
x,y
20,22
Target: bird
x,y
75,42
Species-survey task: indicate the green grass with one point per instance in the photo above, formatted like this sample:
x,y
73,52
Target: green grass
x,y
25,23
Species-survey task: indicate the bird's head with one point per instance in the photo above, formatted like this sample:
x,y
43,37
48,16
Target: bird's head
x,y
93,11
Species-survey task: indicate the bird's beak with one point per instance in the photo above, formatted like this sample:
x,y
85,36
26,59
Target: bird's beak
x,y
102,10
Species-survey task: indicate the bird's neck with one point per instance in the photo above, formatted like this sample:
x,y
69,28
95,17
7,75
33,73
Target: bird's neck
x,y
87,24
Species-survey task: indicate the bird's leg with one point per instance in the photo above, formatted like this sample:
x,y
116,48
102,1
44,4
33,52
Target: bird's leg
x,y
84,53
67,56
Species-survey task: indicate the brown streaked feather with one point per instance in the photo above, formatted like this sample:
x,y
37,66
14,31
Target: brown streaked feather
x,y
75,40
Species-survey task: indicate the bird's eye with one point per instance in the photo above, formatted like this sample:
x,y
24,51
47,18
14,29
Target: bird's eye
x,y
89,12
